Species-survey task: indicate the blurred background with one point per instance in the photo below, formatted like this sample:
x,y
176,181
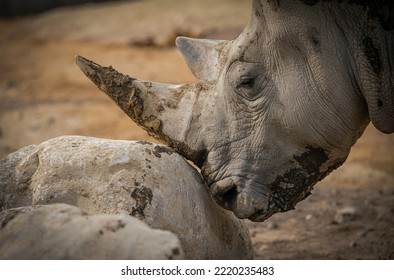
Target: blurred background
x,y
43,94
10,8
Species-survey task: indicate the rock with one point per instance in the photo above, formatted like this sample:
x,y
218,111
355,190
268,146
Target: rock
x,y
49,232
148,181
10,172
345,214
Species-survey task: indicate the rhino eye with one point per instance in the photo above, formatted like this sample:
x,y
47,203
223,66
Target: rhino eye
x,y
248,88
246,82
246,79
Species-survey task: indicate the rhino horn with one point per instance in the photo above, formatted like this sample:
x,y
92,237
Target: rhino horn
x,y
166,112
202,56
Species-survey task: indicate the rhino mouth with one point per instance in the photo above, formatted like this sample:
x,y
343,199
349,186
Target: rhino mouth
x,y
244,202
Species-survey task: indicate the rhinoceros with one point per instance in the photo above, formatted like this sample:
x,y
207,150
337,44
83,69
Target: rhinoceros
x,y
276,109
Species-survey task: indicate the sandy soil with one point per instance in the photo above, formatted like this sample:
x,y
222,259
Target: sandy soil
x,y
350,214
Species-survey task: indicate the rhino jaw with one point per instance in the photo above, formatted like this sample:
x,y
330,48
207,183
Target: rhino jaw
x,y
166,112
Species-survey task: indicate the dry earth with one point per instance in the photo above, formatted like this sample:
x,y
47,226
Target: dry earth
x,y
350,214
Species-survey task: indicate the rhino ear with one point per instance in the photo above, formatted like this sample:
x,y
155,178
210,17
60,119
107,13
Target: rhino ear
x,y
202,56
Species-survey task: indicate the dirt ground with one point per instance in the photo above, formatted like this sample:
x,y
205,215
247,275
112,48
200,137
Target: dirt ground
x,y
43,94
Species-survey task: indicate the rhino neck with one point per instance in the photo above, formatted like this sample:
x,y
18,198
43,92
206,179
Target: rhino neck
x,y
370,40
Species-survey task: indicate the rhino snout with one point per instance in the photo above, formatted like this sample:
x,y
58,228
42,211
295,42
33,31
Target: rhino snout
x,y
244,202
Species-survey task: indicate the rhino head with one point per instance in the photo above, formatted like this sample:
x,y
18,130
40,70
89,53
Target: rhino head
x,y
276,109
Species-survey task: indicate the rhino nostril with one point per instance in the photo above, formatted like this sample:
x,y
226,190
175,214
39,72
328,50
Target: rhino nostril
x,y
227,198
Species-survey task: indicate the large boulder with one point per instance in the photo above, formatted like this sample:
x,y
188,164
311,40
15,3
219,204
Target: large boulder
x,y
61,231
148,181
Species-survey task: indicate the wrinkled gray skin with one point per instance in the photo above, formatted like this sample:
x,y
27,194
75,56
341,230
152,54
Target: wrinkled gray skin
x,y
278,108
